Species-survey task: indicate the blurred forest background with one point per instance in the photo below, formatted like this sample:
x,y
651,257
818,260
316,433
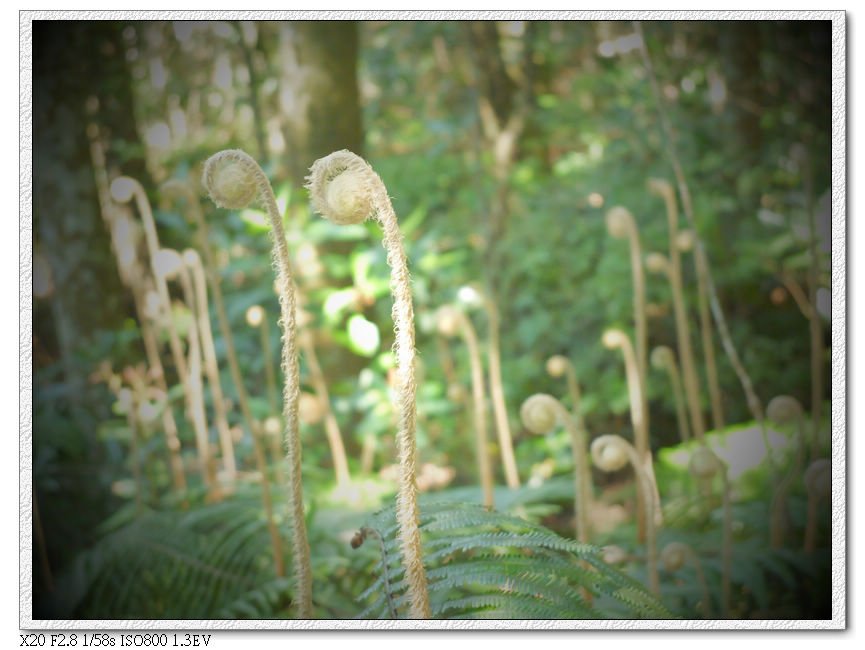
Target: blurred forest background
x,y
504,145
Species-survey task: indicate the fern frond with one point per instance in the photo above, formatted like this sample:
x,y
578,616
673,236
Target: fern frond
x,y
485,563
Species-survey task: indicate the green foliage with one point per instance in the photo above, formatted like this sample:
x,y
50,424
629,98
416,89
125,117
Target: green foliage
x,y
483,564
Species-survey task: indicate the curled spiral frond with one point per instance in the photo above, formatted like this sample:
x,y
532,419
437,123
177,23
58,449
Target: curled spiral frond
x,y
540,413
620,222
613,339
685,240
557,366
448,321
818,478
340,187
167,263
674,555
233,179
662,357
783,409
657,263
609,453
191,258
123,189
704,463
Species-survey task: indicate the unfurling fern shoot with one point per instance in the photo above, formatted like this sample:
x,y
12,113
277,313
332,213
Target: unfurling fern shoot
x,y
123,190
167,265
540,413
616,339
783,410
686,242
177,187
125,237
674,556
611,453
664,359
346,190
560,366
612,340
705,465
234,180
497,394
193,263
452,322
621,225
683,333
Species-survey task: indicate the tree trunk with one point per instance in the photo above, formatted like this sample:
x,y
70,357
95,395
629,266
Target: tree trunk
x,y
78,68
319,96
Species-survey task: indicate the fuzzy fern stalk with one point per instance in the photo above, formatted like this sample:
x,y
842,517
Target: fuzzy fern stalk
x,y
202,311
331,426
497,394
452,322
818,484
621,225
674,556
673,272
664,359
685,242
123,190
705,466
124,239
168,265
557,366
617,339
540,414
659,264
346,190
784,410
194,209
234,180
754,403
611,453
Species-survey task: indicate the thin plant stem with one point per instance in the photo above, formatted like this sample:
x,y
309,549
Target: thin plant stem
x,y
610,453
151,347
754,403
233,179
331,426
346,190
497,396
664,358
683,330
202,313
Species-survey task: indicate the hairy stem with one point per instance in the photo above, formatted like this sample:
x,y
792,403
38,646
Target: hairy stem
x,y
331,426
497,395
754,403
151,347
479,409
193,262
